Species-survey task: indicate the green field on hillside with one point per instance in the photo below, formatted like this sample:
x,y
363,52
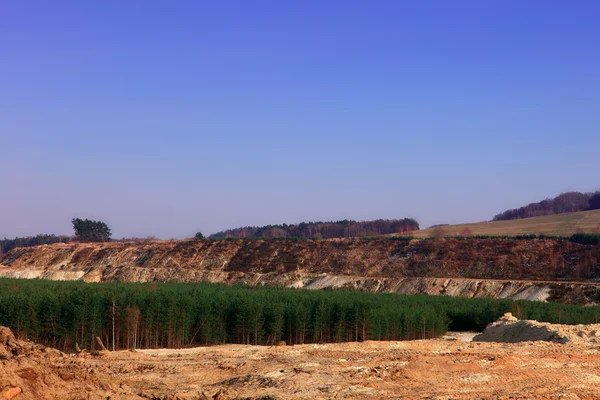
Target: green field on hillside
x,y
551,225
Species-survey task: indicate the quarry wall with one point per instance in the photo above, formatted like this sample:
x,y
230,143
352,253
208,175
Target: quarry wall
x,y
538,269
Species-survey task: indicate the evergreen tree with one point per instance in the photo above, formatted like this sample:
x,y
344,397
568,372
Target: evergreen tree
x,y
61,314
91,231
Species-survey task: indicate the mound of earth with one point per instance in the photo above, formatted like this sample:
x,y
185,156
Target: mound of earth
x,y
33,371
509,329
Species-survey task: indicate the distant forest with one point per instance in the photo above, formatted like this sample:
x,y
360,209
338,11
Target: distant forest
x,y
323,230
28,241
85,231
563,203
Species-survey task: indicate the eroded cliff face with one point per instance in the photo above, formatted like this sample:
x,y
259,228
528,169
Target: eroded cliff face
x,y
518,269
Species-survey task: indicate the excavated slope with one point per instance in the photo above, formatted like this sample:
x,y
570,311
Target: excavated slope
x,y
553,270
32,371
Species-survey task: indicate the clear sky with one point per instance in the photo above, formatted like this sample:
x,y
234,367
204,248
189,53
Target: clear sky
x,y
164,118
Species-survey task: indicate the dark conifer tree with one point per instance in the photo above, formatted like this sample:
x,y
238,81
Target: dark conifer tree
x,y
595,201
91,231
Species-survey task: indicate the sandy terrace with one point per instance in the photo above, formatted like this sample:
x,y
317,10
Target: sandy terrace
x,y
446,368
435,369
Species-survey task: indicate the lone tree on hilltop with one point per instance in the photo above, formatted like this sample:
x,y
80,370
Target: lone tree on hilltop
x,y
87,230
199,236
595,201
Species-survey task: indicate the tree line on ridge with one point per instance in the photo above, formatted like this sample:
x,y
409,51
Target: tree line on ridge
x,y
323,230
563,203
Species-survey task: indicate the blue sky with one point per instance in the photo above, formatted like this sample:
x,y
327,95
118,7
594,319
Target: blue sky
x,y
164,118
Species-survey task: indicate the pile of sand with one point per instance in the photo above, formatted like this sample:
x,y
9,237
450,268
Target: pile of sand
x,y
32,371
509,329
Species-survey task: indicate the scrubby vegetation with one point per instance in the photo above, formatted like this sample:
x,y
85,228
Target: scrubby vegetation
x,y
61,314
586,238
323,230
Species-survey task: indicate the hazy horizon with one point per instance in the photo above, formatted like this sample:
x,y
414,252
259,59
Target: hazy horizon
x,y
68,230
163,120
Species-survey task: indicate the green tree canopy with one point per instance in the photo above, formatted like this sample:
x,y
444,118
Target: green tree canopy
x,y
87,230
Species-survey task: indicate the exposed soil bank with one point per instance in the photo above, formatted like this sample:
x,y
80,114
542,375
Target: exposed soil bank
x,y
519,269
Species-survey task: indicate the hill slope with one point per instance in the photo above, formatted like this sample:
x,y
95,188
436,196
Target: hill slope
x,y
563,203
189,260
503,268
553,225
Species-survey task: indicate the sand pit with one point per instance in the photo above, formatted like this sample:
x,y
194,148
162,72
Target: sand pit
x,y
444,368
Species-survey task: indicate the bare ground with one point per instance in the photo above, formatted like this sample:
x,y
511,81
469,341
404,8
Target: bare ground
x,y
541,270
445,368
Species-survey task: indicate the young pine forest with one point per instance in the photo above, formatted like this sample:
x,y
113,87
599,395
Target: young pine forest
x,y
136,315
